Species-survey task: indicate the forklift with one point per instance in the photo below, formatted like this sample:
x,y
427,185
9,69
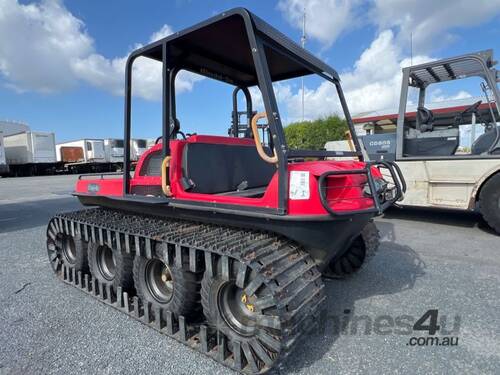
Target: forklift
x,y
427,145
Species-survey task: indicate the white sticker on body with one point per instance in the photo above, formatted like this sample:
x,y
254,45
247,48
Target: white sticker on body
x,y
299,185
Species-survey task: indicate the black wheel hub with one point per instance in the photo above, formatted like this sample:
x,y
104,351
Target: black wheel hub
x,y
236,309
106,262
54,252
68,249
159,280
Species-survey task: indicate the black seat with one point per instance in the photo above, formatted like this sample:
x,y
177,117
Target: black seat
x,y
425,118
443,142
217,168
487,142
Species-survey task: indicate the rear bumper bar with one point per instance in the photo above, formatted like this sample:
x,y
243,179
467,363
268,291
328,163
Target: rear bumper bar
x,y
380,198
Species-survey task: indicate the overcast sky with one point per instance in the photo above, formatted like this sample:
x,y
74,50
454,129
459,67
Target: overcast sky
x,y
62,62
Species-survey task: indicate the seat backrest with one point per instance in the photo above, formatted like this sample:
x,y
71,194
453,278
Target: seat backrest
x,y
425,118
486,141
216,168
436,143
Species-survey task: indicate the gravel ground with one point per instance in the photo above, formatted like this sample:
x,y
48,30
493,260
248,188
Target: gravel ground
x,y
427,260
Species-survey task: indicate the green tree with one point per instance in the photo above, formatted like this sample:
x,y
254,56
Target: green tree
x,y
312,135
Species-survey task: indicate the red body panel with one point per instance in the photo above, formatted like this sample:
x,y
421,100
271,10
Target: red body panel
x,y
344,192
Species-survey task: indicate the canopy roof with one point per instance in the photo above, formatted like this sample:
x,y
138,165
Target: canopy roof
x,y
219,48
390,116
459,67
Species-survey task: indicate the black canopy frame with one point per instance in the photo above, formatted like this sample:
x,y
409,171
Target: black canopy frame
x,y
241,49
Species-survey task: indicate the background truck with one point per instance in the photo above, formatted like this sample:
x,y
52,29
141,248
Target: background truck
x,y
113,149
13,127
150,142
83,155
30,153
449,154
4,167
137,148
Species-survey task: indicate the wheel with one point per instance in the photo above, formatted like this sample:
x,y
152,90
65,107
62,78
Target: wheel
x,y
166,287
110,266
65,249
30,170
489,202
363,248
230,310
74,252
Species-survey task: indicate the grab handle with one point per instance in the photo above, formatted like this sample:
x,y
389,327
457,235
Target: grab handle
x,y
165,180
260,150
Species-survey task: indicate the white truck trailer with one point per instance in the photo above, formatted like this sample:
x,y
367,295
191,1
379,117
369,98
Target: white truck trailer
x,y
29,153
4,167
13,127
150,142
113,149
137,148
83,155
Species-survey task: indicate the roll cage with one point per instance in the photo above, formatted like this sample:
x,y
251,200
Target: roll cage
x,y
238,48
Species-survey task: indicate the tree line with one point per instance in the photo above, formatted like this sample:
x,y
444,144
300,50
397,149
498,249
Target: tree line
x,y
312,135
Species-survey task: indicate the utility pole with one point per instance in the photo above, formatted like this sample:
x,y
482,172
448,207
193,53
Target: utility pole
x,y
411,49
303,42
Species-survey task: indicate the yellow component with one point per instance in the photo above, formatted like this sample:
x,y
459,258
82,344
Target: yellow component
x,y
349,140
249,306
270,159
165,180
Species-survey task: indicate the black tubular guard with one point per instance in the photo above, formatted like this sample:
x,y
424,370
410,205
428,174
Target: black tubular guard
x,y
380,205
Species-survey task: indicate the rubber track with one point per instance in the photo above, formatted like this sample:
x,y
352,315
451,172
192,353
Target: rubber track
x,y
297,286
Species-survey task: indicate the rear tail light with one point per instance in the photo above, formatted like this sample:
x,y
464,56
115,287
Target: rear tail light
x,y
348,192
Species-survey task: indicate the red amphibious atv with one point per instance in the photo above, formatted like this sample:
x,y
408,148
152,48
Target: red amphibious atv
x,y
220,242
